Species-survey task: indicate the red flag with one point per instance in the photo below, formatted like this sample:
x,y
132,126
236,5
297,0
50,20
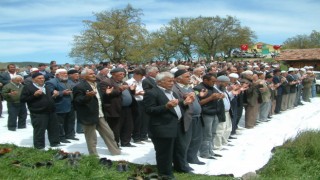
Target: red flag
x,y
276,47
244,47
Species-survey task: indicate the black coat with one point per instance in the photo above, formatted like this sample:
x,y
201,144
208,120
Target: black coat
x,y
40,104
87,108
163,122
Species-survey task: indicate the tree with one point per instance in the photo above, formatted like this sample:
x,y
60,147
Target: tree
x,y
216,34
116,35
303,41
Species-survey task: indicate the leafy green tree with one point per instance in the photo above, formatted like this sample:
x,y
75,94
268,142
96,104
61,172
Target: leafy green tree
x,y
116,35
216,34
303,41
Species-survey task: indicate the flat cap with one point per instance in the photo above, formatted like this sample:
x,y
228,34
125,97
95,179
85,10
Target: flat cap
x,y
36,75
223,78
115,70
72,71
179,72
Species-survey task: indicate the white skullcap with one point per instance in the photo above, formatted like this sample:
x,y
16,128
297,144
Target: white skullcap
x,y
60,70
234,75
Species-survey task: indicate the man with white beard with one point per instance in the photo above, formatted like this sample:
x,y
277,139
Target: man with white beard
x,y
61,91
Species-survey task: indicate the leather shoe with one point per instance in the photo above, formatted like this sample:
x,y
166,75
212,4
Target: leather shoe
x,y
198,162
217,155
207,157
65,141
128,145
73,138
232,137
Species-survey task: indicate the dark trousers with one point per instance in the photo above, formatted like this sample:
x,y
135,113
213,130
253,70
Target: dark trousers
x,y
16,111
278,104
234,107
195,140
66,124
140,124
239,114
181,145
41,123
164,155
122,127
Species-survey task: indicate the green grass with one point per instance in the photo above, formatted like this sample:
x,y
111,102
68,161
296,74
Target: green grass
x,y
87,167
298,158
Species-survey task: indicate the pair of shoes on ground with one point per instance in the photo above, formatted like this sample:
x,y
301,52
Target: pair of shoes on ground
x,y
105,162
122,166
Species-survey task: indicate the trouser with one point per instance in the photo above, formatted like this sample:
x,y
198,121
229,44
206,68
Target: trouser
x,y
122,127
239,114
251,115
78,124
195,140
66,125
306,94
292,98
106,134
298,95
264,111
164,155
181,144
278,104
234,107
284,102
42,122
273,106
209,131
227,128
140,124
16,111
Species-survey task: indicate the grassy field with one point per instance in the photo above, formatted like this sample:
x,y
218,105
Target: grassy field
x,y
298,158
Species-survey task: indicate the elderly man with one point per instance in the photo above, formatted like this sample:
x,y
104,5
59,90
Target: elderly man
x,y
190,133
149,82
61,91
42,112
120,105
16,109
88,103
165,112
224,129
251,103
103,74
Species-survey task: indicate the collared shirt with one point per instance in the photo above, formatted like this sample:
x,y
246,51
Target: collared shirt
x,y
11,75
42,88
94,88
226,100
170,96
138,87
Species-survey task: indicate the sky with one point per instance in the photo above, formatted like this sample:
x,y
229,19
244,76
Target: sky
x,y
43,30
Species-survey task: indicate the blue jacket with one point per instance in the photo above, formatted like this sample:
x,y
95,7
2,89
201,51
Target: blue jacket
x,y
63,103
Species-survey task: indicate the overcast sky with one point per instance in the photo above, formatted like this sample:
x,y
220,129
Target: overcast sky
x,y
43,30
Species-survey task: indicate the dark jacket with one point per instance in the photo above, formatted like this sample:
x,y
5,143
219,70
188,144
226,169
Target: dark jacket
x,y
87,108
163,122
211,108
148,83
112,103
63,103
41,104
